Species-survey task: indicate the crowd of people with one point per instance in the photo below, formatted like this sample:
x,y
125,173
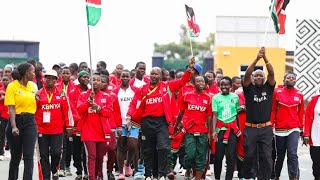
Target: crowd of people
x,y
141,125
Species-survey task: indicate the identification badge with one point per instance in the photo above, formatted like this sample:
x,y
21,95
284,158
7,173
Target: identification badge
x,y
46,117
196,134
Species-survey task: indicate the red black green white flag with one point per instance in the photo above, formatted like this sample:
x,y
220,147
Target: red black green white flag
x,y
93,9
282,17
194,29
278,14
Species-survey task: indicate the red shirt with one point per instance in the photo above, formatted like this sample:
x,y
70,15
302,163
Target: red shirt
x,y
3,109
185,89
309,118
112,87
58,109
212,90
242,114
149,101
73,99
67,89
115,119
94,125
197,107
287,109
114,80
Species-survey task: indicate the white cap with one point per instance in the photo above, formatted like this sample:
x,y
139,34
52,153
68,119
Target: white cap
x,y
51,73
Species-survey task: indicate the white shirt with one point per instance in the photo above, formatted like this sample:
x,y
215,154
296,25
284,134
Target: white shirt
x,y
137,83
124,98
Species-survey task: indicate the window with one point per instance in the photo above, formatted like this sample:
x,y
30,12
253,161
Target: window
x,y
243,69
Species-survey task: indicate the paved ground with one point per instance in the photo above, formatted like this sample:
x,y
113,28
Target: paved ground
x,y
303,153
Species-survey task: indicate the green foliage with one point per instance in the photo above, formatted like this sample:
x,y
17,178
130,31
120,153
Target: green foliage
x,y
181,50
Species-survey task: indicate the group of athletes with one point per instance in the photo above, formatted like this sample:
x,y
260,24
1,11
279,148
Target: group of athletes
x,y
141,124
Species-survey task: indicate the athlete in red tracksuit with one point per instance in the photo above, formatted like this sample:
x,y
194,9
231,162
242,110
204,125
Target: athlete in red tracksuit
x,y
242,121
114,122
79,155
67,86
287,117
95,108
52,120
212,88
198,125
4,115
150,108
312,133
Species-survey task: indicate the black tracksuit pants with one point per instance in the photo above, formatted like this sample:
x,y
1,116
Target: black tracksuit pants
x,y
155,135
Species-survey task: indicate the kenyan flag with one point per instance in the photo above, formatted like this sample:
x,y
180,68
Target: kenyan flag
x,y
274,9
93,11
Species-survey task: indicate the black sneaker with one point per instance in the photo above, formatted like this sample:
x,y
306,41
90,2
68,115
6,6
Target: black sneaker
x,y
79,177
111,176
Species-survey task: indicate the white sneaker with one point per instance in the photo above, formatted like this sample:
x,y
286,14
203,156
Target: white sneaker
x,y
7,155
183,172
235,173
148,178
1,157
162,178
209,173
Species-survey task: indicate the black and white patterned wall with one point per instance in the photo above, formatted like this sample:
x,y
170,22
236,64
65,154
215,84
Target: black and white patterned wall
x,y
307,57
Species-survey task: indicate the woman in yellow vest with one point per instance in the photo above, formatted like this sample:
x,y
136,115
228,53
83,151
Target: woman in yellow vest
x,y
20,99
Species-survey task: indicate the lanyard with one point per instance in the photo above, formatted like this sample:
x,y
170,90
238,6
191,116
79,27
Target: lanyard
x,y
65,88
150,92
49,97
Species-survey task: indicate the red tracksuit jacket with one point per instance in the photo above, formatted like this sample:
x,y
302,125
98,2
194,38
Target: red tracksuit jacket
x,y
144,105
4,110
94,125
58,109
115,121
309,117
287,109
197,107
73,99
114,80
242,121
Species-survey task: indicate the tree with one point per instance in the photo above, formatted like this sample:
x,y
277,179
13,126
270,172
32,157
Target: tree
x,y
181,50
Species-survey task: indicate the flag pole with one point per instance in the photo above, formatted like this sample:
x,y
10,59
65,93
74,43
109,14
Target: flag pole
x,y
191,45
189,35
265,32
90,58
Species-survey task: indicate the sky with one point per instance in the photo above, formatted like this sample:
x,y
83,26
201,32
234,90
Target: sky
x,y
127,29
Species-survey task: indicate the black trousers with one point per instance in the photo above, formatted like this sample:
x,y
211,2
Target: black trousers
x,y
155,135
225,149
66,152
3,125
258,139
289,145
50,145
315,156
79,156
22,144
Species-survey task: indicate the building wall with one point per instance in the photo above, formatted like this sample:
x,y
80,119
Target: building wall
x,y
307,56
230,59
